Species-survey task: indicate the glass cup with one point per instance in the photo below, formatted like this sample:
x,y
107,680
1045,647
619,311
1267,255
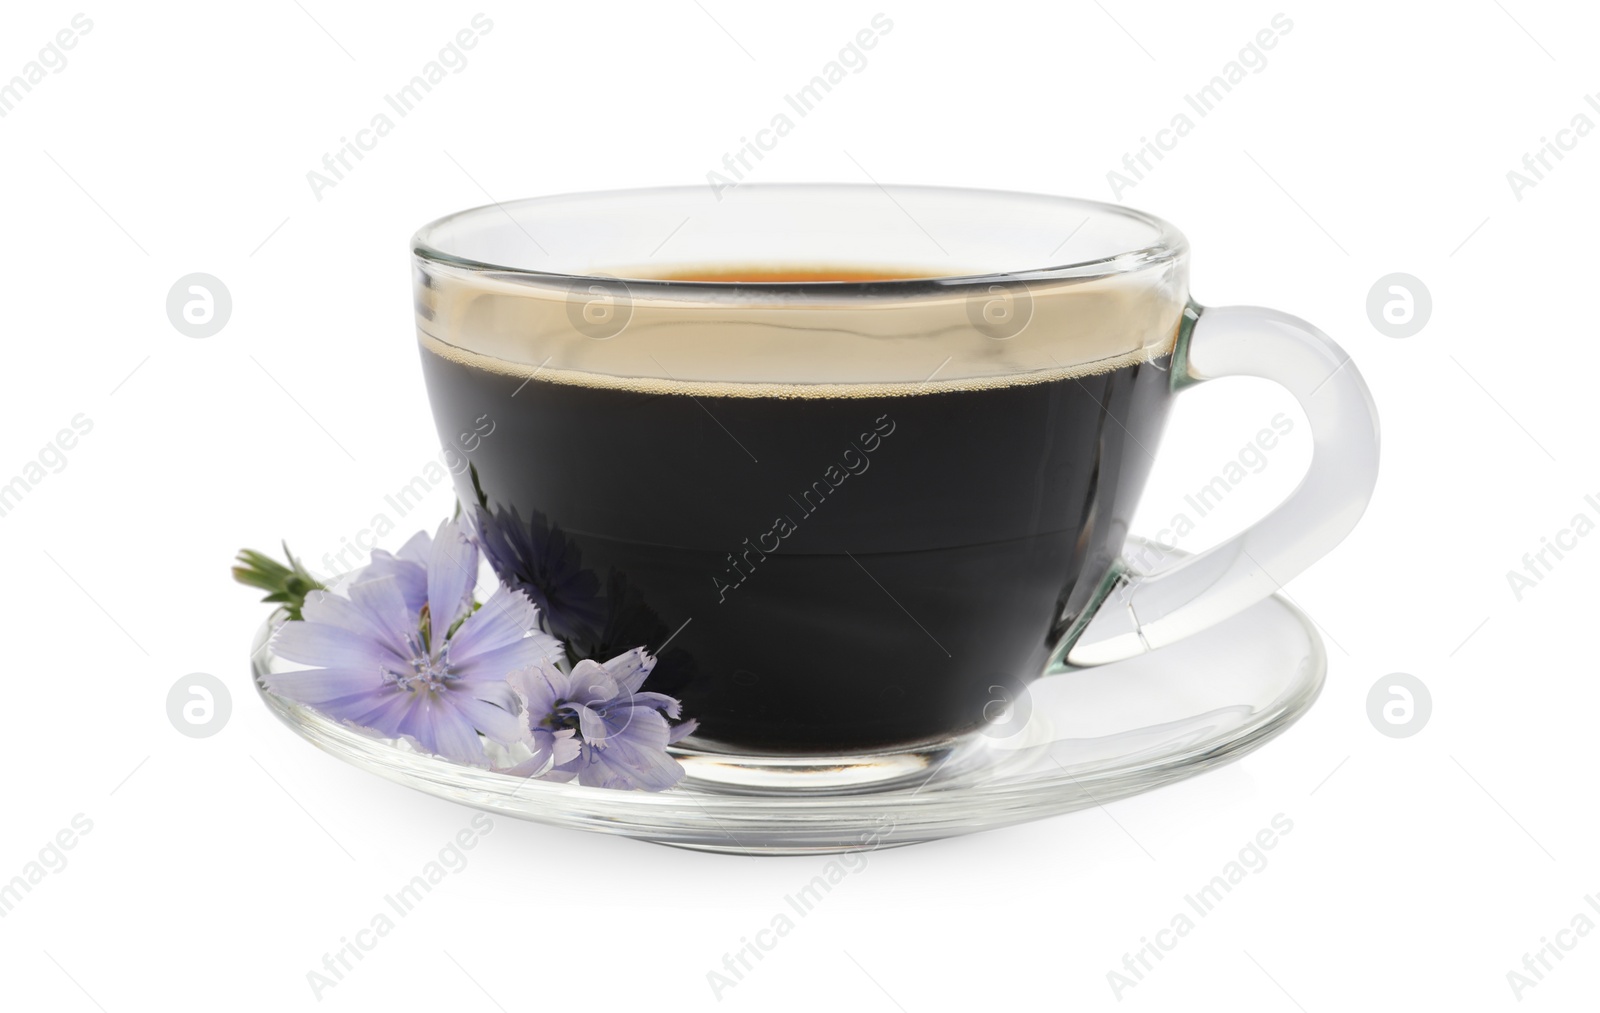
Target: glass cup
x,y
855,463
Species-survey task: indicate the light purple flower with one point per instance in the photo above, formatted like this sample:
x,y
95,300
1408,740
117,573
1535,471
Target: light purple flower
x,y
594,724
392,658
552,747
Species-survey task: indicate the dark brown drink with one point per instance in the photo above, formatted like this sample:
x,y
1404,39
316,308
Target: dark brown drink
x,y
822,568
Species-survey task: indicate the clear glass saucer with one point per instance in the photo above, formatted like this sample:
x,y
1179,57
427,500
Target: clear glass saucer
x,y
1080,739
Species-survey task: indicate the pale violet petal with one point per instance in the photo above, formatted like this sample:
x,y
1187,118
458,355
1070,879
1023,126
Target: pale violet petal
x,y
630,668
641,728
500,663
452,570
565,747
497,692
445,730
320,685
539,685
591,683
492,721
383,602
597,770
382,712
329,646
416,549
591,725
506,617
627,763
660,701
551,750
412,578
332,610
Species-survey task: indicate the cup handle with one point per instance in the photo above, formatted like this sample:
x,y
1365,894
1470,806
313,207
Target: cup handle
x,y
1138,612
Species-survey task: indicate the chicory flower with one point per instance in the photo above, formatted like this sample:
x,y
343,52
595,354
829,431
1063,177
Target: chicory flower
x,y
408,653
594,723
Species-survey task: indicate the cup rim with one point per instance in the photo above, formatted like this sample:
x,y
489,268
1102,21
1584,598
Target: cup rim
x,y
1166,244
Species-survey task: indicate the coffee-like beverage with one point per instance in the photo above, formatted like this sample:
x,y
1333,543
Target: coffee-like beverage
x,y
855,462
822,566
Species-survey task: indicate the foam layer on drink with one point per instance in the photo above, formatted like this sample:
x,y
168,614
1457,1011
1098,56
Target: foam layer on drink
x,y
869,338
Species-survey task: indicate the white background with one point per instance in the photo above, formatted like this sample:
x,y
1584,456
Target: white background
x,y
1377,139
